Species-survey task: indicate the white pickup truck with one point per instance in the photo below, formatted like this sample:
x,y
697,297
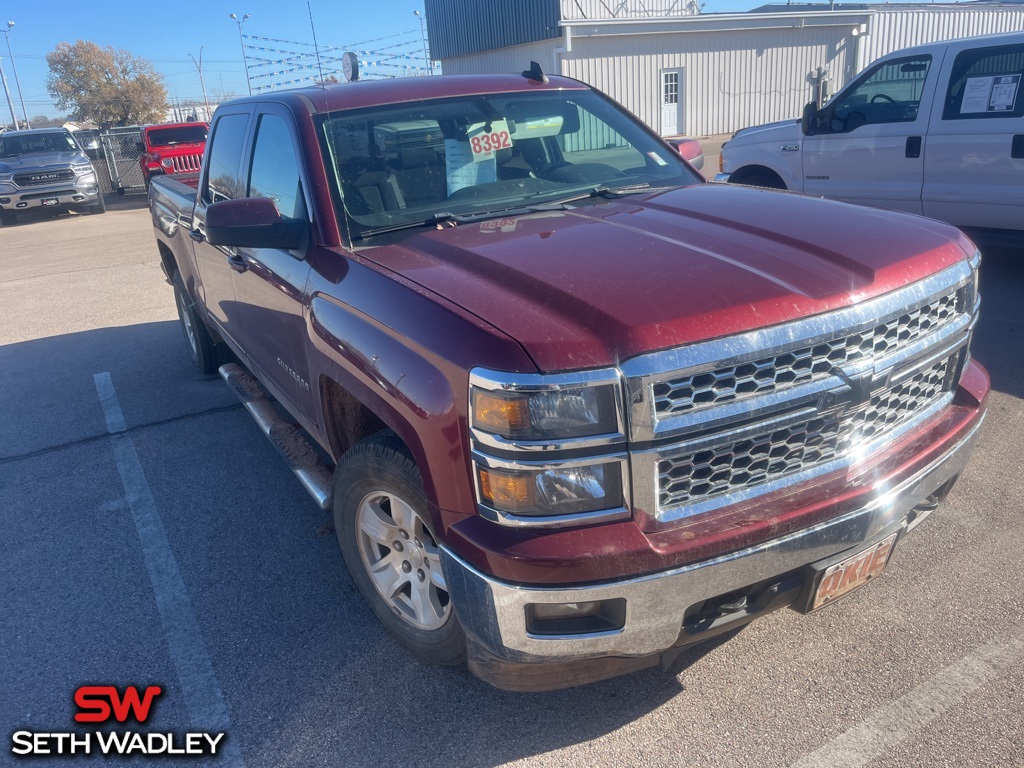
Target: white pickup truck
x,y
936,130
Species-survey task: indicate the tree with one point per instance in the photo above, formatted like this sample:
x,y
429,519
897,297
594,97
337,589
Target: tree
x,y
42,121
105,85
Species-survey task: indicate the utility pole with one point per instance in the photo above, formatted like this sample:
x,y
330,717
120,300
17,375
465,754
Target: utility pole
x,y
423,36
245,62
199,66
14,67
3,77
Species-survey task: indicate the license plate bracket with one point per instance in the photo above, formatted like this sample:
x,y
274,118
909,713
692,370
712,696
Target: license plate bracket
x,y
836,578
49,201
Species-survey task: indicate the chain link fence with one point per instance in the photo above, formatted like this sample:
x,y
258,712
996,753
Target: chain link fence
x,y
115,154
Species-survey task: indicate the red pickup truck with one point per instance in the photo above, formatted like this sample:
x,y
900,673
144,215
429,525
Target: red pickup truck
x,y
573,408
172,148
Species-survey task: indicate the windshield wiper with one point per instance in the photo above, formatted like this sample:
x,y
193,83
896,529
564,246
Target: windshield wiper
x,y
608,192
444,217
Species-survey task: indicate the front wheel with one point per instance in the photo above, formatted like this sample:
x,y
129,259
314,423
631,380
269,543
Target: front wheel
x,y
383,528
201,347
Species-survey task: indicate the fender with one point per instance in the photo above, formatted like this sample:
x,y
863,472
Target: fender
x,y
406,356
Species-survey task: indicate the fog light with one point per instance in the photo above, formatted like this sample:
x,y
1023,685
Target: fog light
x,y
576,618
5,200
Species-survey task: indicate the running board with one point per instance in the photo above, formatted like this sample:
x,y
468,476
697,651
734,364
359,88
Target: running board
x,y
288,438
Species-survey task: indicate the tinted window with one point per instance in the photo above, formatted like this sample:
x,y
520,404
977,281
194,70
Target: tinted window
x,y
275,168
225,154
168,137
891,93
986,82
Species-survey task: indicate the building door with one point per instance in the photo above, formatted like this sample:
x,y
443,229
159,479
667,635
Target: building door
x,y
671,101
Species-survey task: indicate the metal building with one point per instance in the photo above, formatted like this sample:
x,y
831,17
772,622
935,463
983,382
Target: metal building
x,y
686,72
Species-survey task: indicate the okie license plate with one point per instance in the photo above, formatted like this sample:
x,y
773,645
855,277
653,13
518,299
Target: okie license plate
x,y
47,201
842,578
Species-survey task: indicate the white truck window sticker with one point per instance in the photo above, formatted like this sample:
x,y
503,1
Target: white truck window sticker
x,y
976,95
463,169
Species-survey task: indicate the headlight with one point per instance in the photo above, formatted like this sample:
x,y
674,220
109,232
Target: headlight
x,y
567,418
526,496
546,409
6,178
167,162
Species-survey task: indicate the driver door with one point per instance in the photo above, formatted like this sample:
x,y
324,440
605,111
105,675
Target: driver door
x,y
870,142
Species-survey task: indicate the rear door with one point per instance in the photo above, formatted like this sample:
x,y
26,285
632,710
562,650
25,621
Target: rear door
x,y
870,147
270,285
974,173
222,180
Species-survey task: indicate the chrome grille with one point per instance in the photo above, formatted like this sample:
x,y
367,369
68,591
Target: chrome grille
x,y
777,453
33,178
187,163
801,365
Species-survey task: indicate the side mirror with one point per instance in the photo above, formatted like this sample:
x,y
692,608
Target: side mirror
x,y
253,222
141,147
809,120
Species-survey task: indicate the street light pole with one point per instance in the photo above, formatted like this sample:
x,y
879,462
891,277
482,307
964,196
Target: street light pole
x,y
3,77
199,66
14,67
245,62
423,36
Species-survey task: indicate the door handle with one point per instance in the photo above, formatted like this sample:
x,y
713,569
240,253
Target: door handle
x,y
237,263
197,235
1017,147
913,146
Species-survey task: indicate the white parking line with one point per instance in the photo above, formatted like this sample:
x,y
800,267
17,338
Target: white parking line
x,y
198,681
913,711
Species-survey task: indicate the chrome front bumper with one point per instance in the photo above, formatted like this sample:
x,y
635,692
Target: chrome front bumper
x,y
493,613
69,193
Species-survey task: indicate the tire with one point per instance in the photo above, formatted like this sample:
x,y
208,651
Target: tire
x,y
8,218
100,206
383,528
204,353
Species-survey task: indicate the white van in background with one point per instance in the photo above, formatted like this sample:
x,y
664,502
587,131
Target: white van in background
x,y
936,130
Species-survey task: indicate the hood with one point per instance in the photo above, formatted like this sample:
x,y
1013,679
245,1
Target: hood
x,y
602,283
782,130
38,161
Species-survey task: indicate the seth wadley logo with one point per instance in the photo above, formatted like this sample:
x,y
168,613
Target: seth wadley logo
x,y
100,704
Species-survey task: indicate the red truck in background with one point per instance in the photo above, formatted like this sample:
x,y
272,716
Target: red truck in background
x,y
172,148
572,407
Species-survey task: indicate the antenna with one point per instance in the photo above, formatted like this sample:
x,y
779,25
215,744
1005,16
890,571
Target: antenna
x,y
316,48
535,73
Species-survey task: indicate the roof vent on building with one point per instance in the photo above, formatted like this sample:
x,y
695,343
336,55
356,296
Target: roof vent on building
x,y
535,73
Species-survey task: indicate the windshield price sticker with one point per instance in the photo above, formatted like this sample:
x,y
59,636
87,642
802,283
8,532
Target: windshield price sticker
x,y
484,143
1004,93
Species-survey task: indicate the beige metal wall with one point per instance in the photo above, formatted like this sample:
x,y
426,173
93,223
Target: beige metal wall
x,y
730,79
892,30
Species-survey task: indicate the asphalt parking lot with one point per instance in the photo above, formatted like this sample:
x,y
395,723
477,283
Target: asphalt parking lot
x,y
176,549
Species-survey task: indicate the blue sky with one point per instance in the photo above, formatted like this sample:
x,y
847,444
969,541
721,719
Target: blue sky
x,y
167,32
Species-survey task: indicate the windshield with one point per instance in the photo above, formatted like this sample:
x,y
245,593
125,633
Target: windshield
x,y
36,142
168,137
403,164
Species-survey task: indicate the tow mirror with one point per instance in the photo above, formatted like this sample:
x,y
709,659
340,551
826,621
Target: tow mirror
x,y
253,222
809,120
